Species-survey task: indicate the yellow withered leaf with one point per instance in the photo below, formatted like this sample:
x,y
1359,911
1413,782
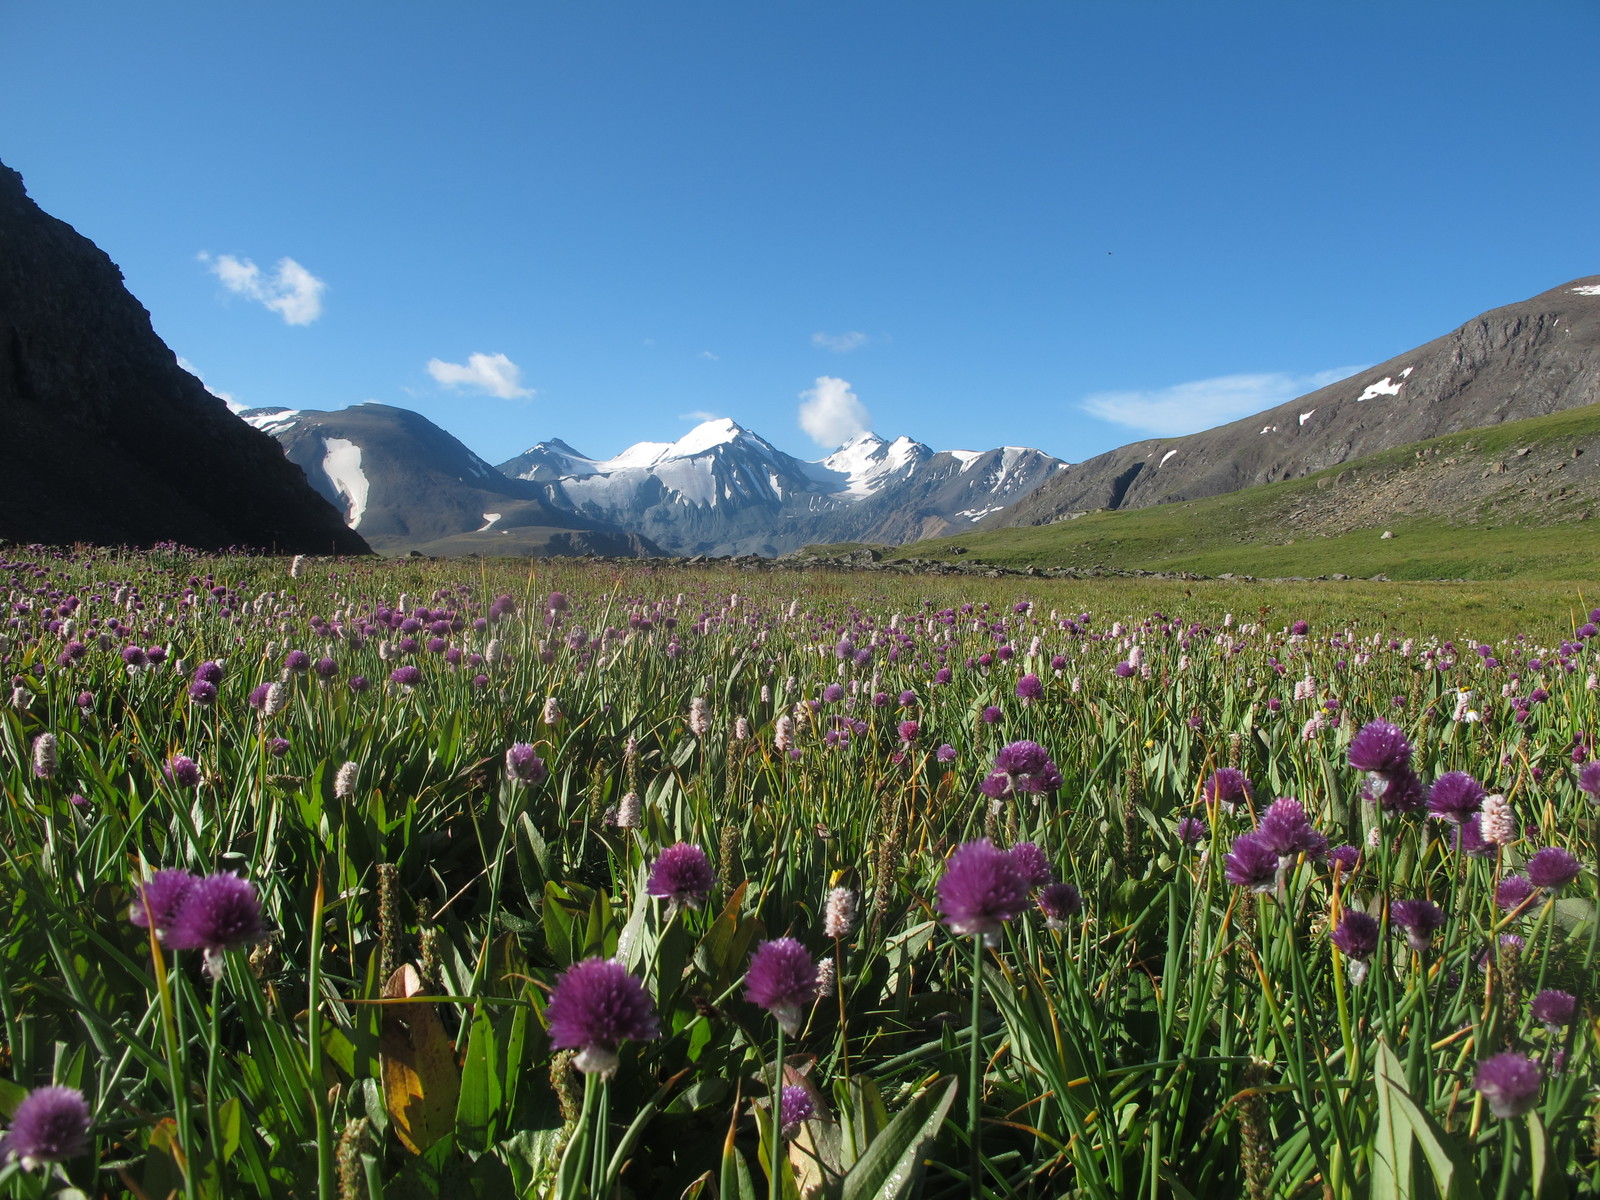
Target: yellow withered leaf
x,y
421,1082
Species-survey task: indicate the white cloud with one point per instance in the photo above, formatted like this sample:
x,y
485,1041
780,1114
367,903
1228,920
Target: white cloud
x,y
831,414
698,416
706,354
493,374
1202,403
839,343
234,406
291,291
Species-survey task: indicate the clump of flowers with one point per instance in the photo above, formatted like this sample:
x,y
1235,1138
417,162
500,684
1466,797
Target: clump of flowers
x,y
1021,767
1356,937
1228,787
524,767
681,874
1420,919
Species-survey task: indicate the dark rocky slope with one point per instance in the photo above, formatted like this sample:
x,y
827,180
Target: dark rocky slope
x,y
103,437
1524,360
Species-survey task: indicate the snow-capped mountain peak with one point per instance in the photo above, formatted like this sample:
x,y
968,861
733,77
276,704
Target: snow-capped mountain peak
x,y
867,462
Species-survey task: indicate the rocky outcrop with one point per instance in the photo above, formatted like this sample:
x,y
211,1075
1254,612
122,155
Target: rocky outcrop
x,y
103,437
1525,360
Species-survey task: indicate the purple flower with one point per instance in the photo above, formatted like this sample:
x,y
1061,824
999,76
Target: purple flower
x,y
1192,831
220,912
183,771
682,874
1028,767
1033,864
1059,902
1455,796
1029,688
297,661
159,898
1228,787
1380,747
1420,919
1286,828
992,715
358,684
945,753
1552,868
1123,670
1509,1083
794,1106
325,668
832,694
1401,792
202,692
595,1006
51,1124
981,889
407,676
524,767
1513,892
1589,779
1356,935
134,656
1554,1008
783,980
1252,863
278,747
908,731
258,696
208,672
1346,857
1300,628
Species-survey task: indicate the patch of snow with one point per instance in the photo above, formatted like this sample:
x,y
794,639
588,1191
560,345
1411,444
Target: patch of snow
x,y
1408,370
1306,416
705,436
488,522
341,463
1588,289
966,457
270,420
1384,387
978,514
1164,458
1269,429
640,454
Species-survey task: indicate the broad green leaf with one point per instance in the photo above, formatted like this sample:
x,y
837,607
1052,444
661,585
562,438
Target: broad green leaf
x,y
1391,1153
893,1163
1453,1174
482,1085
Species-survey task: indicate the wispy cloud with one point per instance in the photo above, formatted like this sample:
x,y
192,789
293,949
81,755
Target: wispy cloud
x,y
698,415
831,414
291,291
1202,403
710,357
839,343
492,374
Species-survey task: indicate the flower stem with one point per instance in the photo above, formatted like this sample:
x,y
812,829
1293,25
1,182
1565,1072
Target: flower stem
x,y
975,1069
773,1189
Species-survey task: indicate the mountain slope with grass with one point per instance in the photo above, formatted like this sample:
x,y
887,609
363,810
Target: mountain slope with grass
x,y
1512,500
1529,359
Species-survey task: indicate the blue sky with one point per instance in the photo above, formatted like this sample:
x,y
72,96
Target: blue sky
x,y
989,223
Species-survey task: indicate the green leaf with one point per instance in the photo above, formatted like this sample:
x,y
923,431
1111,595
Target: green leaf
x,y
1453,1175
1391,1162
893,1162
482,1086
230,1116
1539,1154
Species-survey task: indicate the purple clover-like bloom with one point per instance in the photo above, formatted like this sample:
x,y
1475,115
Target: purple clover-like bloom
x,y
783,980
258,696
202,692
183,771
1470,840
1589,779
220,912
794,1107
1252,863
1420,919
1380,747
595,1006
1552,868
991,715
981,889
682,874
945,753
1029,688
159,898
832,694
524,767
1401,792
1287,830
297,661
51,1124
1059,902
1123,670
1228,787
1033,864
1513,892
208,672
325,668
1028,767
407,676
1554,1008
358,684
1345,857
1356,935
1455,796
1509,1083
909,730
1192,831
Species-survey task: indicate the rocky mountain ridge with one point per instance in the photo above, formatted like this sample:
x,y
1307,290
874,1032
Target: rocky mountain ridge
x,y
106,438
